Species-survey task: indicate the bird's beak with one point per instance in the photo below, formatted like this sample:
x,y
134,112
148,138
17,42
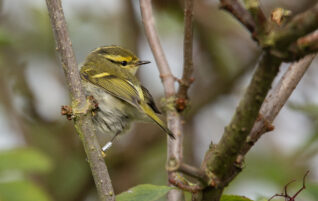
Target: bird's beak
x,y
138,63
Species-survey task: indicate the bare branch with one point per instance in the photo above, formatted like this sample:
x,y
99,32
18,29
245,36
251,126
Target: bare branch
x,y
154,42
187,79
175,152
254,7
219,160
311,40
183,184
276,99
83,122
299,26
305,45
239,12
192,171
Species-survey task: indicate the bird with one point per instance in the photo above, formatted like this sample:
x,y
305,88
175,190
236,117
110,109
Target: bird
x,y
109,76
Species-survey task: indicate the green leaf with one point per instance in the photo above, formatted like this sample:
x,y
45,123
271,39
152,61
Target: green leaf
x,y
144,192
234,198
22,190
262,199
24,159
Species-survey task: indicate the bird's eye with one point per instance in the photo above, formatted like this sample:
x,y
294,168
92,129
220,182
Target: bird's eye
x,y
124,63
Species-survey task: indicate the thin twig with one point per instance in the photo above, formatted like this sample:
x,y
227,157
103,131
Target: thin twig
x,y
183,184
187,79
175,152
305,45
154,42
192,171
276,99
239,12
83,121
311,40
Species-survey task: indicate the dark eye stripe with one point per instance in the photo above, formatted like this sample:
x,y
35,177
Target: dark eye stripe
x,y
112,61
123,63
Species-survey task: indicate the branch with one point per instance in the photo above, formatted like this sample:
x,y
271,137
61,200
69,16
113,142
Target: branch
x,y
154,42
239,12
192,171
276,99
187,79
310,41
175,152
305,45
301,25
182,183
83,122
254,7
219,160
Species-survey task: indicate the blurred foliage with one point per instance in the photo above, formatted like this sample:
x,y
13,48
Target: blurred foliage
x,y
234,198
17,163
19,160
22,190
144,192
51,164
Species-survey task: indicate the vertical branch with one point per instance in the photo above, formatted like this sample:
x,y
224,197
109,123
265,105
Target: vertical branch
x,y
83,122
175,152
154,42
236,132
187,79
220,159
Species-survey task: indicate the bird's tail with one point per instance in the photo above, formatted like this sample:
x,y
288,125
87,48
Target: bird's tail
x,y
152,115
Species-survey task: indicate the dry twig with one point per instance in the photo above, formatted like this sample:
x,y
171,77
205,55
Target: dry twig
x,y
239,12
187,79
83,122
175,152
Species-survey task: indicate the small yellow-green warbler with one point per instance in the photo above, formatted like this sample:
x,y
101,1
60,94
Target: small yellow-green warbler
x,y
108,74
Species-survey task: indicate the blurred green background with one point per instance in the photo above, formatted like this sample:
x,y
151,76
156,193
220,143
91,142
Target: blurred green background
x,y
41,157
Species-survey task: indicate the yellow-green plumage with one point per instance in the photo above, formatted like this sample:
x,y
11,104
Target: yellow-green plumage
x,y
108,74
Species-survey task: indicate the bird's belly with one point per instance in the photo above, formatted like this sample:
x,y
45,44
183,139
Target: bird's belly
x,y
113,115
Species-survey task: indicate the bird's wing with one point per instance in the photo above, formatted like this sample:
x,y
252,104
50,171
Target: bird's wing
x,y
149,100
126,90
123,89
